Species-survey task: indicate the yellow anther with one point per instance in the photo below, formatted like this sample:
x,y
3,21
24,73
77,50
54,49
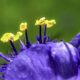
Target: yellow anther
x,y
17,36
9,36
19,33
6,37
50,23
41,21
23,26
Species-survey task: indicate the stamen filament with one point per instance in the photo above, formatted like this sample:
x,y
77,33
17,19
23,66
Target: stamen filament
x,y
40,34
4,57
27,40
13,47
44,41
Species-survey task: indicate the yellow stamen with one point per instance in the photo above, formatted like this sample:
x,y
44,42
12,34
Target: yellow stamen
x,y
23,26
6,37
17,36
41,21
50,23
9,36
19,33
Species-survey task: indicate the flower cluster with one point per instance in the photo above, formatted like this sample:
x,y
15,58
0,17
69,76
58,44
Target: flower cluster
x,y
43,60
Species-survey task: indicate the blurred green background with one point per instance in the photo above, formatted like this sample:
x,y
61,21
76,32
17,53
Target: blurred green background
x,y
66,13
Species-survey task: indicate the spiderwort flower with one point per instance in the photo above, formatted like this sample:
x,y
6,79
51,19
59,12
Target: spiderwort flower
x,y
45,60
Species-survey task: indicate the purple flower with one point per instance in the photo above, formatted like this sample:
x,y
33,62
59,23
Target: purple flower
x,y
76,40
44,60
